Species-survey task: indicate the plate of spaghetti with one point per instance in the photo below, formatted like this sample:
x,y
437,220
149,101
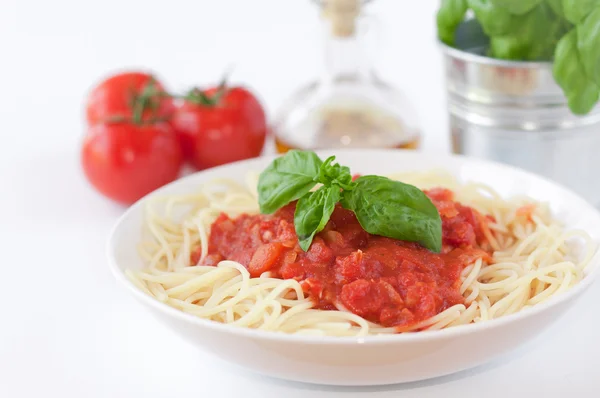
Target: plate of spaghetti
x,y
359,267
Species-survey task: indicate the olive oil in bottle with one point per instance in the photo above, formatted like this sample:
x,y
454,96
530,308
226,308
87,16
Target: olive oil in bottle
x,y
348,106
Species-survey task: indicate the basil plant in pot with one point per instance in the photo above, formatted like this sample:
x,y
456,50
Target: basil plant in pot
x,y
523,84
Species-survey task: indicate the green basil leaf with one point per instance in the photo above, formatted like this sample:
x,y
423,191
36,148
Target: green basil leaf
x,y
517,7
557,7
330,174
495,21
581,92
312,213
450,14
577,10
540,29
507,47
286,179
396,210
588,44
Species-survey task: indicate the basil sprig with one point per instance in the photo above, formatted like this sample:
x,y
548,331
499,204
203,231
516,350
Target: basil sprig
x,y
382,206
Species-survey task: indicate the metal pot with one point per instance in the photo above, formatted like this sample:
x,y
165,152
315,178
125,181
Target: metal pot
x,y
514,112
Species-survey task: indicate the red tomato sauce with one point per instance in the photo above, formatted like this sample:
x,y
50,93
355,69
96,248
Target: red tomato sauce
x,y
387,281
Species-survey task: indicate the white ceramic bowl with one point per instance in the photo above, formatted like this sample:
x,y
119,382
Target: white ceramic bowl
x,y
376,359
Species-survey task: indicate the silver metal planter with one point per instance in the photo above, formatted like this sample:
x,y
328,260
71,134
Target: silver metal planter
x,y
514,112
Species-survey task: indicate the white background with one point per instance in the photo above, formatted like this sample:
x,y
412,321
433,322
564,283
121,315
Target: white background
x,y
66,329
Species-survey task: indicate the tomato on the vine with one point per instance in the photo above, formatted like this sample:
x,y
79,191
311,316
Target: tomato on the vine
x,y
128,95
130,149
125,161
220,125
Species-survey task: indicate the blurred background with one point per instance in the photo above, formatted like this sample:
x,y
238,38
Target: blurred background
x,y
54,51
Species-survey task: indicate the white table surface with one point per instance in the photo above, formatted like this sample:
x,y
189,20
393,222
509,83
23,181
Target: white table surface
x,y
66,328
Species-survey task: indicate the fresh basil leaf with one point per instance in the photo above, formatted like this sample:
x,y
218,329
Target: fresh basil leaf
x,y
312,213
581,92
507,47
450,14
588,43
396,210
577,10
495,21
286,179
577,55
330,174
557,7
517,7
540,30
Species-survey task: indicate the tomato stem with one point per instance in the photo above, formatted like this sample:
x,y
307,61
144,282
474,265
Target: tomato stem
x,y
149,97
199,97
222,89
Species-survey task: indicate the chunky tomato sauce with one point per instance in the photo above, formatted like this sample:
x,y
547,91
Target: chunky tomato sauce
x,y
387,281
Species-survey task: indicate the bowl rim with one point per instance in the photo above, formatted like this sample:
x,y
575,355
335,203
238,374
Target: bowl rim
x,y
425,335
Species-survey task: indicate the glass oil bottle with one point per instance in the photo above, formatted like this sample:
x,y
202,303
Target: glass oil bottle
x,y
348,106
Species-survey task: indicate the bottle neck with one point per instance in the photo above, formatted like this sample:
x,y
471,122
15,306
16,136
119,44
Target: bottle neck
x,y
346,58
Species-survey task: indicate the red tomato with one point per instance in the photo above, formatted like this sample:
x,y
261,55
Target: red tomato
x,y
117,96
265,258
234,128
125,161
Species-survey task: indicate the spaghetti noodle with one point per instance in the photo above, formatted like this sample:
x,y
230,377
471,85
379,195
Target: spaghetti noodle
x,y
534,259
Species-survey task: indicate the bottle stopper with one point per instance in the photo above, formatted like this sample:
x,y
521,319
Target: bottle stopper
x,y
342,14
